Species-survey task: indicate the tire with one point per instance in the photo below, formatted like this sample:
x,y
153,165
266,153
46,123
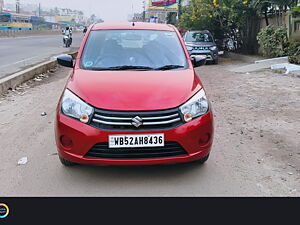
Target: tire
x,y
66,162
215,62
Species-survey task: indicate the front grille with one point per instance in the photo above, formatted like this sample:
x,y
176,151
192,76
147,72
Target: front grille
x,y
208,56
200,48
171,149
136,121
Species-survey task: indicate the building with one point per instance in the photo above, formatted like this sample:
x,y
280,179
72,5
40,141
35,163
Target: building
x,y
1,5
158,10
136,17
76,15
54,15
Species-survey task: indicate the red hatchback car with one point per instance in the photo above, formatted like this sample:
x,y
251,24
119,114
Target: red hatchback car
x,y
133,98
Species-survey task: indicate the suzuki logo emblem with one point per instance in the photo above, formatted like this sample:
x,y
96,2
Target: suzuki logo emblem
x,y
137,121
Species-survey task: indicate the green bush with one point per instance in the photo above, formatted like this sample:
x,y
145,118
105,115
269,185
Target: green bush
x,y
273,41
293,51
295,11
295,36
294,59
293,48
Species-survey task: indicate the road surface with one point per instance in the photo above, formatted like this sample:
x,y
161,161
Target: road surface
x,y
255,152
21,52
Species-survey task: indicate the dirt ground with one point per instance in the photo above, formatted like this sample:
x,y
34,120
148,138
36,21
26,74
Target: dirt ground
x,y
256,149
257,122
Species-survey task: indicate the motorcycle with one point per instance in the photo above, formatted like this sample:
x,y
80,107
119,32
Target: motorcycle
x,y
67,41
231,44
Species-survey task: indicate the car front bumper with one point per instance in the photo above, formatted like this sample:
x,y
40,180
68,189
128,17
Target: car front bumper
x,y
189,135
210,55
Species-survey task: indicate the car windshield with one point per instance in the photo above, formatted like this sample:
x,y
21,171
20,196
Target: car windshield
x,y
198,37
133,50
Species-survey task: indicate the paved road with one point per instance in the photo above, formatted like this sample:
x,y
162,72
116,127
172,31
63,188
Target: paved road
x,y
18,53
255,153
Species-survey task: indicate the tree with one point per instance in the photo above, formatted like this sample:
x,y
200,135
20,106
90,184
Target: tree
x,y
171,18
224,18
273,40
56,11
93,18
273,7
263,7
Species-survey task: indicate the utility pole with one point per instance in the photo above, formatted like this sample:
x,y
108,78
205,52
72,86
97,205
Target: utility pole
x,y
17,6
179,9
39,9
1,5
144,11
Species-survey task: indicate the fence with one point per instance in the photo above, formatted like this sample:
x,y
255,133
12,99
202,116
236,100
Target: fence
x,y
292,24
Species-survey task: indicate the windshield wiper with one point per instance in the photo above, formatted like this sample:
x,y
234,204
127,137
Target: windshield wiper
x,y
169,67
125,67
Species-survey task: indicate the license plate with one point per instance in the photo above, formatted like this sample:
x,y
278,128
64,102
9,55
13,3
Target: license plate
x,y
136,141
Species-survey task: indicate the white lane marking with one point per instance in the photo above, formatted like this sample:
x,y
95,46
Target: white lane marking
x,y
24,60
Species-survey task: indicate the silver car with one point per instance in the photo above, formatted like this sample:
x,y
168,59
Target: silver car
x,y
202,43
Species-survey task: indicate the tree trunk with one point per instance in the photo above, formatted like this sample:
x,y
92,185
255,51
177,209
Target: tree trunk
x,y
249,34
266,17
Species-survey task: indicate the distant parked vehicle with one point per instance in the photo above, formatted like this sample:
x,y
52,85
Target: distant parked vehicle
x,y
202,43
13,21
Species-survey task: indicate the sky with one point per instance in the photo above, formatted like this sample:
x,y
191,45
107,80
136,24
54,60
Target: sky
x,y
108,10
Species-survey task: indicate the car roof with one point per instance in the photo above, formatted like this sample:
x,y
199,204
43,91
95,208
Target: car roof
x,y
134,26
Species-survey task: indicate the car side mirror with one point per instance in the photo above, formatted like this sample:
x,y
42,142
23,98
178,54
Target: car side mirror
x,y
198,60
65,60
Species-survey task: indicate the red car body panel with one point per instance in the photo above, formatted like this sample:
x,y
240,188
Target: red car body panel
x,y
133,91
84,137
146,90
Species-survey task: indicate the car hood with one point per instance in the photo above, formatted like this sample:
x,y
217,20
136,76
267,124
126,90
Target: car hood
x,y
134,90
205,44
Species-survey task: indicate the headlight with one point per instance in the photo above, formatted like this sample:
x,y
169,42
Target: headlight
x,y
213,48
195,107
74,107
189,48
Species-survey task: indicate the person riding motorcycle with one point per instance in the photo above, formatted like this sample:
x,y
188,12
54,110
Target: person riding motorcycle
x,y
84,30
67,32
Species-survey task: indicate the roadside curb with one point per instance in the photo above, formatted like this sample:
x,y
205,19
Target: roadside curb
x,y
18,78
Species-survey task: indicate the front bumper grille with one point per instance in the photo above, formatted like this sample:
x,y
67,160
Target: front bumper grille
x,y
201,48
208,55
171,149
136,121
